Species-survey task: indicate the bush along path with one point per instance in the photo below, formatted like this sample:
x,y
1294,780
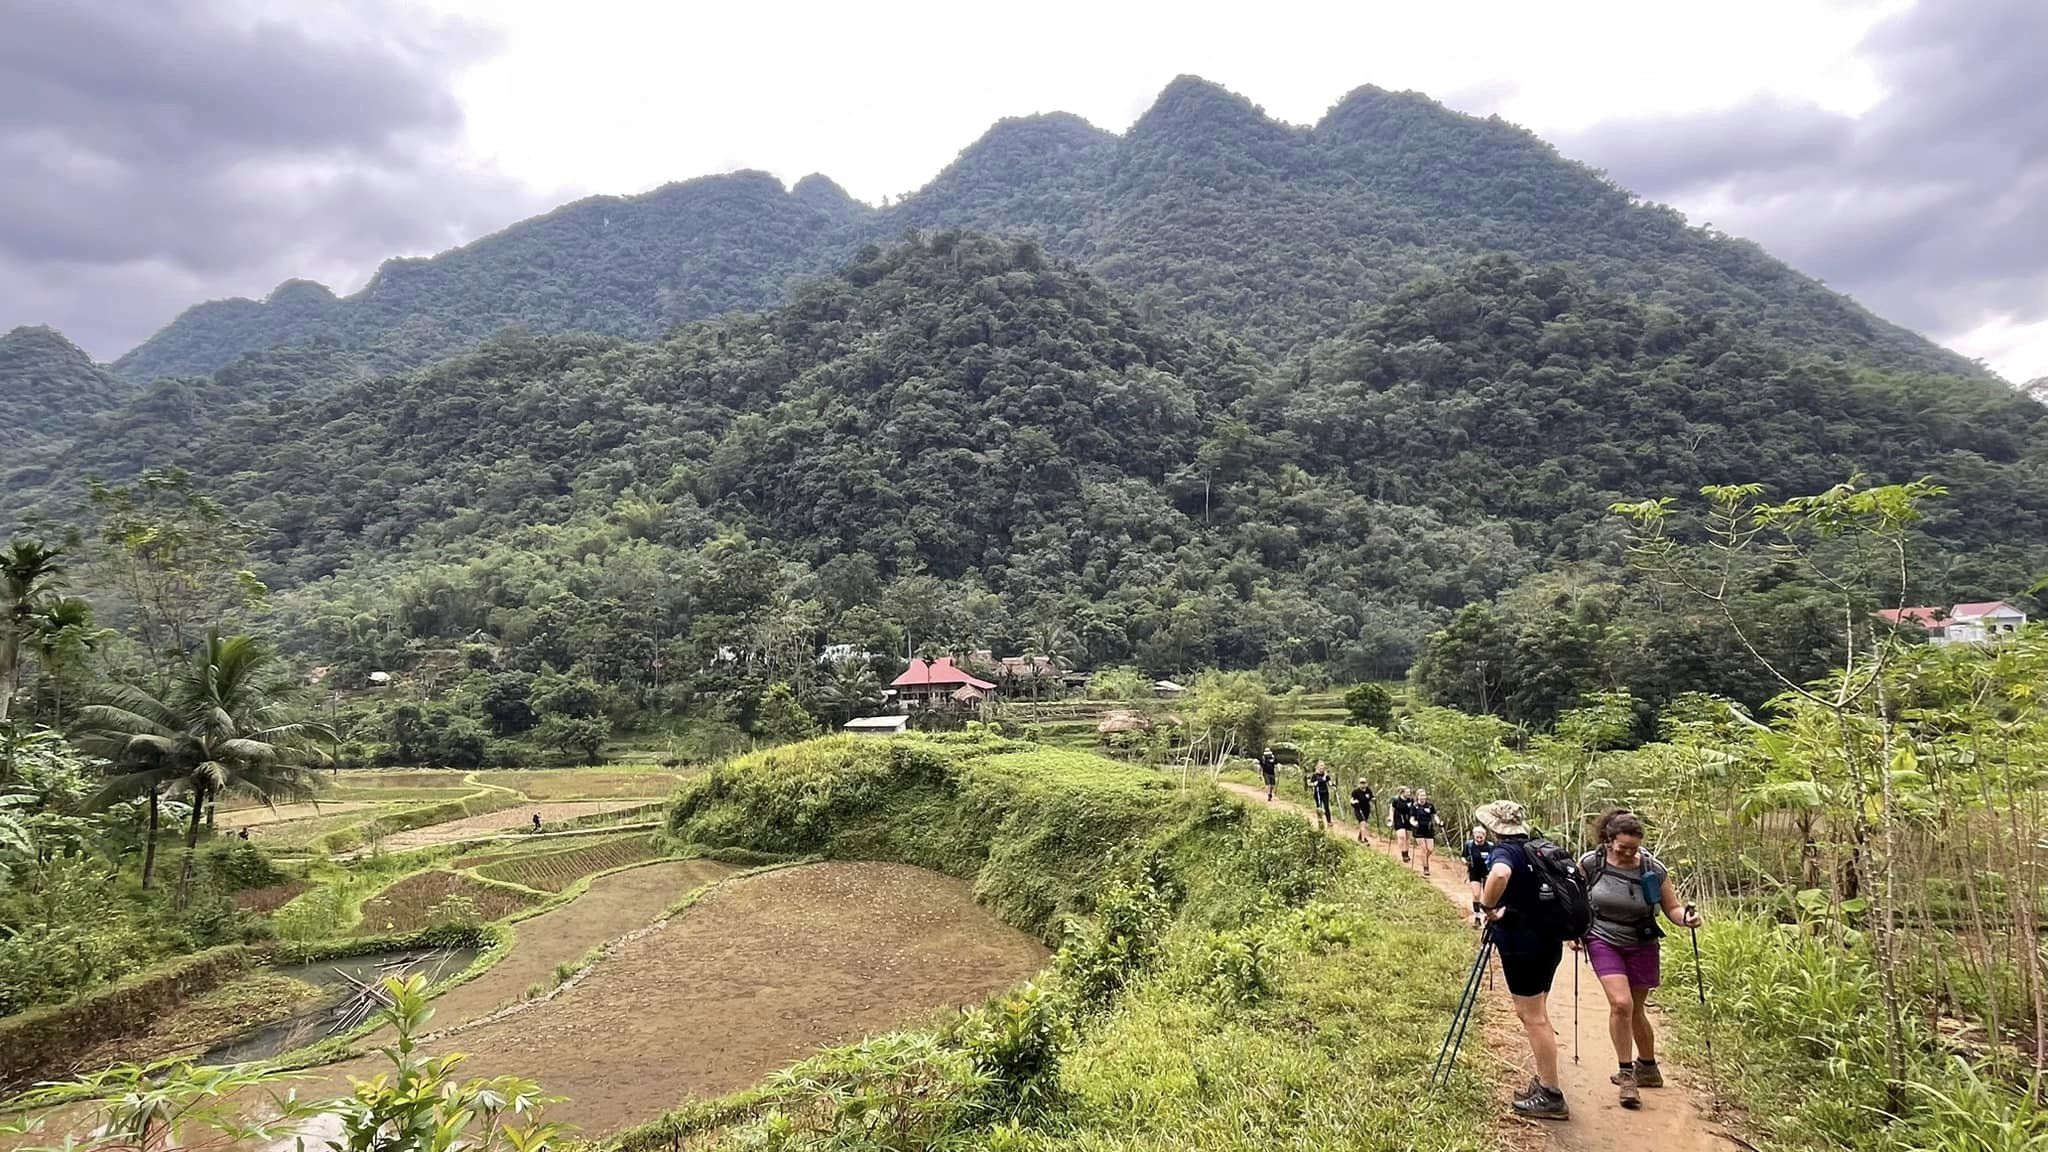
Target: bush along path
x,y
1671,1119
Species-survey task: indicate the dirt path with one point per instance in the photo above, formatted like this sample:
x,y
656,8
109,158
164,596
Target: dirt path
x,y
762,973
1671,1119
259,816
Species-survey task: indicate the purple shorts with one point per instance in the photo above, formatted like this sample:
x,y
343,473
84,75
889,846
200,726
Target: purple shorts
x,y
1641,963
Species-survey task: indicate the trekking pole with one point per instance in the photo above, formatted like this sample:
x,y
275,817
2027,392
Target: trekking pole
x,y
1576,960
1485,954
1463,1012
1699,979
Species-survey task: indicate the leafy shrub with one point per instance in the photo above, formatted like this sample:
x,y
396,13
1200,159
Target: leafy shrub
x,y
1236,966
1370,705
1015,1042
1098,958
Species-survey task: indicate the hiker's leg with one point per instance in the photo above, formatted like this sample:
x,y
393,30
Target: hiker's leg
x,y
1534,1013
1645,1036
1621,1016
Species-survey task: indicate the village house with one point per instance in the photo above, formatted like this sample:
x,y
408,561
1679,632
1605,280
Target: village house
x,y
939,683
1963,624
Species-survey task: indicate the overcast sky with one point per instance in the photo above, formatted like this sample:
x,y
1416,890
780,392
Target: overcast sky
x,y
156,154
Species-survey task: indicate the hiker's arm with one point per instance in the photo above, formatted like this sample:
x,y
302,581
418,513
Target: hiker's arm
x,y
1496,887
1675,911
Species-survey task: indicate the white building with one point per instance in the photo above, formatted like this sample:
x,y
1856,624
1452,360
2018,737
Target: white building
x,y
1963,624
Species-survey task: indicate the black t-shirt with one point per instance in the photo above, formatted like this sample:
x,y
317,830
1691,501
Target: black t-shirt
x,y
1322,786
1512,931
1423,817
1269,764
1361,798
1400,806
1476,852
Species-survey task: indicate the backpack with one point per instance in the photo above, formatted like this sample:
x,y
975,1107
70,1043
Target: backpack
x,y
1593,865
1561,910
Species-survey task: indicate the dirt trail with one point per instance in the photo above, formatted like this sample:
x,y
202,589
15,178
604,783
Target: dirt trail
x,y
1672,1118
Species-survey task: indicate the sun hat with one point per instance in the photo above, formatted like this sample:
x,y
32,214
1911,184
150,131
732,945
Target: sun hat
x,y
1503,818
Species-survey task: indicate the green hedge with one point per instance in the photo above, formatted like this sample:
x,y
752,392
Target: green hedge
x,y
40,1043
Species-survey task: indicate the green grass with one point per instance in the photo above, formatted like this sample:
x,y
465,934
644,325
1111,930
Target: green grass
x,y
1229,979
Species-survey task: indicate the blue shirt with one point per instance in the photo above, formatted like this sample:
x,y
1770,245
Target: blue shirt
x,y
1510,933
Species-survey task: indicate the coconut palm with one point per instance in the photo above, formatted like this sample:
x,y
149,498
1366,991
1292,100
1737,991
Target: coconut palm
x,y
222,726
849,690
30,576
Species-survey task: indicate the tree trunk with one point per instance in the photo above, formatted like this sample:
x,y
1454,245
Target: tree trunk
x,y
10,669
191,844
149,844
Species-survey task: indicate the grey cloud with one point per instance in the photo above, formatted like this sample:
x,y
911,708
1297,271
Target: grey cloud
x,y
152,155
1931,207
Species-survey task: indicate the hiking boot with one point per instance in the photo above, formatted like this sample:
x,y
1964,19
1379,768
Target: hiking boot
x,y
1630,1098
1542,1104
1647,1075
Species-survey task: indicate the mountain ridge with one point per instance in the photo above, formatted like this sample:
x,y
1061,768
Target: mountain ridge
x,y
1206,207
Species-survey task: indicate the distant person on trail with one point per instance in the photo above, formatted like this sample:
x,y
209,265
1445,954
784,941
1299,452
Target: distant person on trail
x,y
1269,770
243,834
1319,787
1422,821
1475,853
1400,805
1530,949
1626,886
1361,807
536,821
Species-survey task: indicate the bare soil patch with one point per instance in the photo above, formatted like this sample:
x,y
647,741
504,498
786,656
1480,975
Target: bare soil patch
x,y
407,905
265,900
611,907
583,783
758,975
517,819
556,871
260,816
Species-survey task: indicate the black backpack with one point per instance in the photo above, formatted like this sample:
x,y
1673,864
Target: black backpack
x,y
1561,910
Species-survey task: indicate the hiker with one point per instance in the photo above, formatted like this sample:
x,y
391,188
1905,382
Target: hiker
x,y
243,834
1361,806
1399,807
536,821
1422,825
1626,886
1530,949
1475,853
1319,787
1269,770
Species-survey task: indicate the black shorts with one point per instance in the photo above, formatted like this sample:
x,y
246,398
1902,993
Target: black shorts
x,y
1425,833
1360,813
1475,875
1529,972
1400,823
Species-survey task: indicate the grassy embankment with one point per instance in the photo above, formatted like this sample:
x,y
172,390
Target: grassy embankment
x,y
1227,979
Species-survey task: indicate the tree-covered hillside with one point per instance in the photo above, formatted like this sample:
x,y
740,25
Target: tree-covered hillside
x,y
962,438
47,385
1206,211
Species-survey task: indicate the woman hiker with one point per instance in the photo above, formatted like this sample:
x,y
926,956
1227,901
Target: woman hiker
x,y
1476,851
1626,886
1319,786
1398,807
1422,822
1513,897
1361,807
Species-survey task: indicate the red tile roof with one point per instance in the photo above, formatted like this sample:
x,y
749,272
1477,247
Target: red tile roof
x,y
1984,608
1924,617
940,673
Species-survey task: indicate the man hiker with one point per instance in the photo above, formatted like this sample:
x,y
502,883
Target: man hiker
x,y
1319,787
1269,770
1529,947
1361,807
1422,822
536,821
1400,805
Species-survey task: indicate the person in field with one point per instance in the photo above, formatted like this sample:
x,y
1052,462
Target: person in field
x,y
1476,850
1361,806
1627,887
1269,771
1422,823
1398,810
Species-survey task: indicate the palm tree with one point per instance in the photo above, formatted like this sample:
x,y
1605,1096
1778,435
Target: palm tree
x,y
851,690
63,635
222,726
30,575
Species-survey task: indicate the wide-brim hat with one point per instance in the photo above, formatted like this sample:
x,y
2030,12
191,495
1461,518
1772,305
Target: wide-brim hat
x,y
1503,818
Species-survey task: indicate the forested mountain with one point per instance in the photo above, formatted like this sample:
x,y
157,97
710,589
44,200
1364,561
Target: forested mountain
x,y
1206,211
47,385
625,266
964,437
